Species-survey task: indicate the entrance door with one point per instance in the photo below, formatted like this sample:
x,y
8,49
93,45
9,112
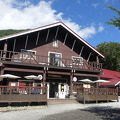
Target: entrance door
x,y
55,59
53,90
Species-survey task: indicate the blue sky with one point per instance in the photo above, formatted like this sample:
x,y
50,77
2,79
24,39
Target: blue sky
x,y
86,17
85,12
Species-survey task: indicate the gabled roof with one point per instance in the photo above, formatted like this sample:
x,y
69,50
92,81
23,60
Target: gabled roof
x,y
113,76
49,26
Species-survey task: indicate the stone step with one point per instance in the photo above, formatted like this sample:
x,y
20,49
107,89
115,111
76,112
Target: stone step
x,y
61,101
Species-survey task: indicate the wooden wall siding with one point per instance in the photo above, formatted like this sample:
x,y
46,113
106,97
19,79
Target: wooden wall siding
x,y
63,49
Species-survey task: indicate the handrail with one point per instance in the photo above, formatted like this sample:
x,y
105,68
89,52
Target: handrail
x,y
25,86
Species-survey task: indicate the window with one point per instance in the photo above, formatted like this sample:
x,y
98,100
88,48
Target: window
x,y
28,54
55,58
77,60
55,43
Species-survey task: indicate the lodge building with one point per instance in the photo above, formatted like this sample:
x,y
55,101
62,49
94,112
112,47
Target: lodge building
x,y
53,51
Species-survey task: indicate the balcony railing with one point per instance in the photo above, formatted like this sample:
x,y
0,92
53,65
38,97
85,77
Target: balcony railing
x,y
97,94
18,57
11,94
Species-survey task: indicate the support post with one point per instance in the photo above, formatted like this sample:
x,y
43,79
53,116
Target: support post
x,y
89,57
26,42
65,38
47,35
97,59
44,76
73,44
81,51
1,72
71,83
56,33
14,45
5,50
37,38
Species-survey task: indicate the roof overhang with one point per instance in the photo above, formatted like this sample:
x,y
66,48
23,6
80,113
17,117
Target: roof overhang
x,y
49,26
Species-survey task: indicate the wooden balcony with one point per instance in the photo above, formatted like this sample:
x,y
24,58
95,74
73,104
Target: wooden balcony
x,y
21,58
9,94
96,94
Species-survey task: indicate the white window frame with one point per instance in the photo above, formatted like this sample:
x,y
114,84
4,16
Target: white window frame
x,y
26,56
54,53
78,57
55,43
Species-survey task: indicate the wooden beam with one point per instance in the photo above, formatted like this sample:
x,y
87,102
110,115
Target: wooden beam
x,y
89,56
23,70
56,33
37,38
47,35
86,75
65,37
81,51
73,44
14,45
58,73
26,42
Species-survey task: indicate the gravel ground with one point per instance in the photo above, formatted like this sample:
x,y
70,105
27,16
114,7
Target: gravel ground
x,y
102,111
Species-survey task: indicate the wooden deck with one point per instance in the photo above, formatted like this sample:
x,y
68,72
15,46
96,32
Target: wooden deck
x,y
28,59
96,94
10,94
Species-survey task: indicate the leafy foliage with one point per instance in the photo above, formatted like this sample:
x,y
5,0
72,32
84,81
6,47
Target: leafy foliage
x,y
115,20
8,32
111,51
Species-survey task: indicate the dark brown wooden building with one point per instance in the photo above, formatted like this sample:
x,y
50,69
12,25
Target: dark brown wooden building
x,y
53,51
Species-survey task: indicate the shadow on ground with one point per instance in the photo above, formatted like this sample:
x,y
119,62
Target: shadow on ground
x,y
105,113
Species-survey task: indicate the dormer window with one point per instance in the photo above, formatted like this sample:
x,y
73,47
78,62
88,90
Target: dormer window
x,y
55,43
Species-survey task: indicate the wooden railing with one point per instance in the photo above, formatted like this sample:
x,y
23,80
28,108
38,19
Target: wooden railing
x,y
9,94
18,57
97,94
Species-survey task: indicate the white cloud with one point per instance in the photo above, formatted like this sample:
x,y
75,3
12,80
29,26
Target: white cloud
x,y
100,28
19,15
95,5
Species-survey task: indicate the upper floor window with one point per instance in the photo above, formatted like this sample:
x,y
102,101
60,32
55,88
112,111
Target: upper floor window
x,y
28,54
55,43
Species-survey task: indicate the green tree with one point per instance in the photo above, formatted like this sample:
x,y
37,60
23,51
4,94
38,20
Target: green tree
x,y
9,32
111,51
115,20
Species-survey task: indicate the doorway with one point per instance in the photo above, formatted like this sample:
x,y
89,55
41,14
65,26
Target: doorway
x,y
53,90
